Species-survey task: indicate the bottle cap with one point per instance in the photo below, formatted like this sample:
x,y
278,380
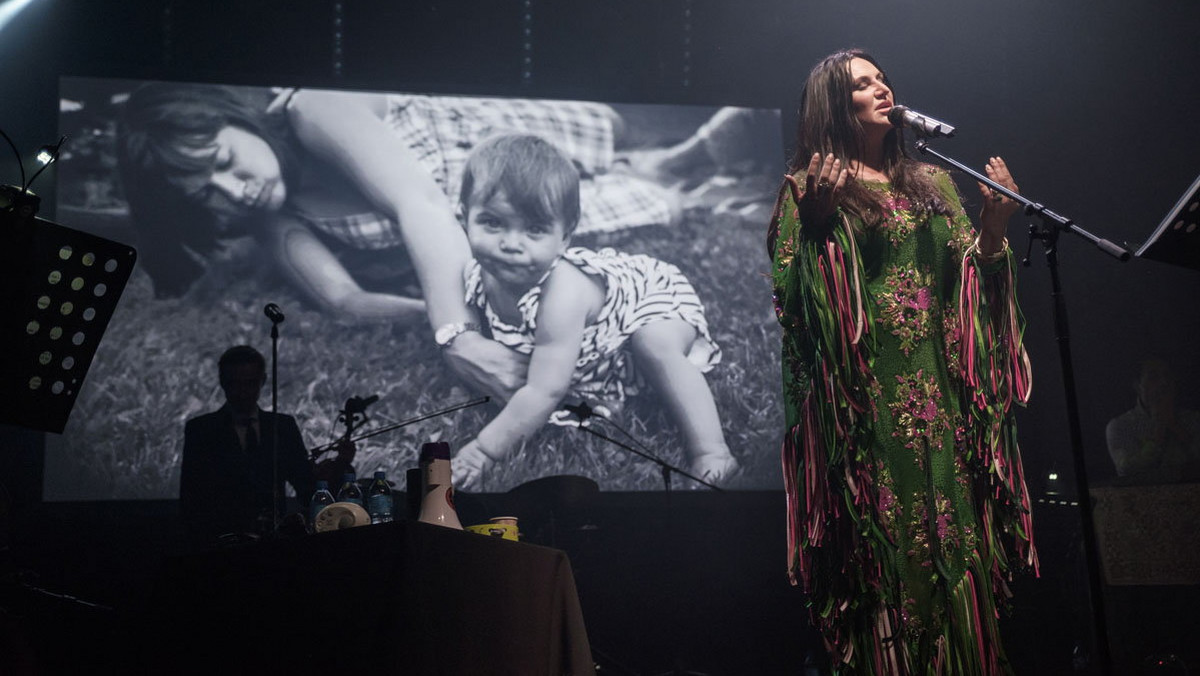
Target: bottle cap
x,y
380,474
322,485
348,476
435,450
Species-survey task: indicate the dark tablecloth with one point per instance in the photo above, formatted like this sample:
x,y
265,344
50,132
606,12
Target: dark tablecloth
x,y
399,598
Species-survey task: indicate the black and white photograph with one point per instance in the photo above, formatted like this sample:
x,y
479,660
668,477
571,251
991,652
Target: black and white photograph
x,y
343,208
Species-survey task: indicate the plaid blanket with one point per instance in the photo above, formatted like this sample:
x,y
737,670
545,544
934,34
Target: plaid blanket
x,y
442,130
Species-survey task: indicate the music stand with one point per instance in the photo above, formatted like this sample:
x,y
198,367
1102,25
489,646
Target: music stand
x,y
61,287
1177,239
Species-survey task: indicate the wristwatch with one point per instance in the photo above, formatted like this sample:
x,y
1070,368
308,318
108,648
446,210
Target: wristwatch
x,y
446,333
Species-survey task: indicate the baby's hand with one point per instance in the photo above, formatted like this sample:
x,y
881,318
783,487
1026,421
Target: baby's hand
x,y
714,467
469,466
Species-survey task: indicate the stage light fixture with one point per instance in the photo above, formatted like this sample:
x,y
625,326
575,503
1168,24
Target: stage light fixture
x,y
9,10
50,154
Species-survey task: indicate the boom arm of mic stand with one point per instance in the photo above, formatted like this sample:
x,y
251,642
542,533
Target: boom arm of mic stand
x,y
1032,208
316,452
666,467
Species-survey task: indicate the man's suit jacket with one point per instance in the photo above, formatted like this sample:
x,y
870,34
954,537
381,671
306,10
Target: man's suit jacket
x,y
224,488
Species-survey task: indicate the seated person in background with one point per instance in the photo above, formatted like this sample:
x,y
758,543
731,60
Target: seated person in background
x,y
595,324
1155,441
225,483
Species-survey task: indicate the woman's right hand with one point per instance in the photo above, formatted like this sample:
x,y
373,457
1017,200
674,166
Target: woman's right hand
x,y
487,366
821,186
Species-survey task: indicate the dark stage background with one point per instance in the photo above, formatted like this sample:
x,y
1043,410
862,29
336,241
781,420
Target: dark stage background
x,y
1093,105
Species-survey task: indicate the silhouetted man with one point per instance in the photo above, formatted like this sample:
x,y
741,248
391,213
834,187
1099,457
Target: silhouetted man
x,y
225,484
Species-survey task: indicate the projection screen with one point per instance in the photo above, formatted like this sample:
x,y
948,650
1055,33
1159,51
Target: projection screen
x,y
692,186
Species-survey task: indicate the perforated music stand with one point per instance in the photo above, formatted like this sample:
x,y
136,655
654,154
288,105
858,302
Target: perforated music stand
x,y
61,287
1177,238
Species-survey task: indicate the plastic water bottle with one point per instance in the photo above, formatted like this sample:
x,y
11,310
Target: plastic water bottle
x,y
379,499
320,498
350,492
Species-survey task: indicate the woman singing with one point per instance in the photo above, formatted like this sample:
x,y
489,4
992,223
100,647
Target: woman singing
x,y
902,354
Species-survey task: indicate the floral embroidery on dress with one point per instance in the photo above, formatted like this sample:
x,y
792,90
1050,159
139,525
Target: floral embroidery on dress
x,y
951,536
898,217
914,627
787,251
890,509
952,337
920,421
962,472
962,235
906,305
918,528
948,531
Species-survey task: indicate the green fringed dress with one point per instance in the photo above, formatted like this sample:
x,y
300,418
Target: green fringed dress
x,y
907,508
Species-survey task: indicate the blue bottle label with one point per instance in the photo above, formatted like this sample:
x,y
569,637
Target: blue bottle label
x,y
380,508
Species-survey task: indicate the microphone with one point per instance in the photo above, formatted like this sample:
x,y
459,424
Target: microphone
x,y
901,116
360,404
582,411
273,313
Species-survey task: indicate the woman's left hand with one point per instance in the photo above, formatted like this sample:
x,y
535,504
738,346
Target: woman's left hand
x,y
487,366
997,208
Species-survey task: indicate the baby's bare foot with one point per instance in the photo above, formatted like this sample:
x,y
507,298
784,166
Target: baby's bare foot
x,y
716,467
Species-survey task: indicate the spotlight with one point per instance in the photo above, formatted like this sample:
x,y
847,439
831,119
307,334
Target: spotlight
x,y
9,10
46,156
1055,487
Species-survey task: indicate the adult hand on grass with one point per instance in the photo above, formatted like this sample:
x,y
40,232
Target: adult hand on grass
x,y
487,366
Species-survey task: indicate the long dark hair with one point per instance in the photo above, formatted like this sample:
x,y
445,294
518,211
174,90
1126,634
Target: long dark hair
x,y
827,124
160,122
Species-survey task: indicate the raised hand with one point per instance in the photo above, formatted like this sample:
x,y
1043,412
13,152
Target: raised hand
x,y
997,208
821,185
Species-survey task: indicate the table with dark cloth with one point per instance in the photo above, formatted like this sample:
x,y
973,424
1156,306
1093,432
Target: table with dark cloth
x,y
398,598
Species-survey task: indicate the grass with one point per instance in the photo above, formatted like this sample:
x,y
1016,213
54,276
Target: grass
x,y
156,368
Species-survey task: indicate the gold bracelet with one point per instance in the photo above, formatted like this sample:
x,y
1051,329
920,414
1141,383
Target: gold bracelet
x,y
988,259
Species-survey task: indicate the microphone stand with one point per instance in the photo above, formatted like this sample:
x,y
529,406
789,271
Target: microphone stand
x,y
275,516
584,413
1052,225
318,451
